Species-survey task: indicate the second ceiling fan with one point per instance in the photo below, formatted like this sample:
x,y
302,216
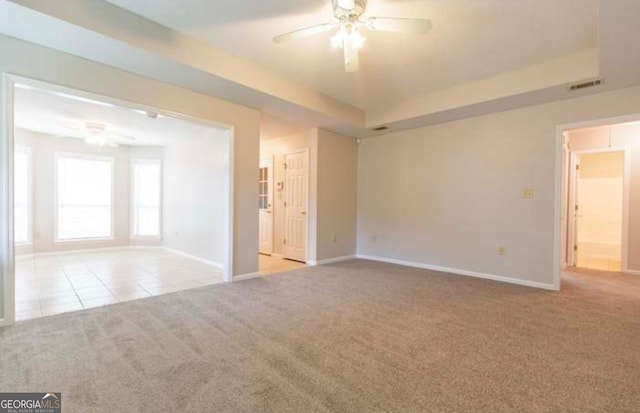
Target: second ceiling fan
x,y
348,25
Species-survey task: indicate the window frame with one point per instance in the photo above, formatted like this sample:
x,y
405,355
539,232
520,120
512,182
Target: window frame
x,y
132,195
29,152
56,209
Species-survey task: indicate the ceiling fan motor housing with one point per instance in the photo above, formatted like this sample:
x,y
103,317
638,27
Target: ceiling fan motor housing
x,y
358,9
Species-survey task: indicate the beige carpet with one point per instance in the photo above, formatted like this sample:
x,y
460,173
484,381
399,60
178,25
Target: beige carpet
x,y
350,337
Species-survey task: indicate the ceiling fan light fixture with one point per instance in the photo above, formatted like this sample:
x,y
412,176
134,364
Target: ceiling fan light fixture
x,y
348,15
348,34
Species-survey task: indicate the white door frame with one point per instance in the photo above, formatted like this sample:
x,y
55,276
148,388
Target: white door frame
x,y
7,259
560,186
270,192
626,179
308,216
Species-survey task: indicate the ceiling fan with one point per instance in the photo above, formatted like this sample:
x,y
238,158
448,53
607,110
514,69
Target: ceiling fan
x,y
348,25
96,133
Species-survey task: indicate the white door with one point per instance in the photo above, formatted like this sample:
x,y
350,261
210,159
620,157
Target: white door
x,y
265,202
295,208
599,210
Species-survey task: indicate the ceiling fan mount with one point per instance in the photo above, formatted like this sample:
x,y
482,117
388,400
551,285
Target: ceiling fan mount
x,y
348,25
343,10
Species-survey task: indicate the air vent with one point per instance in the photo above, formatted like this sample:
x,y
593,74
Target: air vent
x,y
380,128
586,85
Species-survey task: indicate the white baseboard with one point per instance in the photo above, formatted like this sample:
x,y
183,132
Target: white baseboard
x,y
66,252
245,277
193,257
121,248
332,260
457,271
631,272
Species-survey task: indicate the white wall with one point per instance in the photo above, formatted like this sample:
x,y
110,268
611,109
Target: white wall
x,y
43,162
194,185
449,195
622,135
194,172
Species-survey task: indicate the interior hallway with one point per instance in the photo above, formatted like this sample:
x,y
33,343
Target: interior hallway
x,y
269,264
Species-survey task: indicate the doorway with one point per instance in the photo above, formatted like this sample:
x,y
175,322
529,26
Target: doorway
x,y
283,199
96,198
597,204
598,199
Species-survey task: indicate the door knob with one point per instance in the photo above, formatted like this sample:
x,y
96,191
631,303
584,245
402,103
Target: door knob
x,y
304,212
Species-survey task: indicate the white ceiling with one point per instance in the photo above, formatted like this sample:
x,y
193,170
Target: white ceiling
x,y
471,40
45,112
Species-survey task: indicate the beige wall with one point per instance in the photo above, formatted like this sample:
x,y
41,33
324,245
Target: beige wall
x,y
337,195
622,135
195,172
29,60
449,195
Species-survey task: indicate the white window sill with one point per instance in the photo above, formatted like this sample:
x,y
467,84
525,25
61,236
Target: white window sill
x,y
79,240
146,237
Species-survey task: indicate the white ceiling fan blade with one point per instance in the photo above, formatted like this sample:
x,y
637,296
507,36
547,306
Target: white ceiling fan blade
x,y
399,25
307,31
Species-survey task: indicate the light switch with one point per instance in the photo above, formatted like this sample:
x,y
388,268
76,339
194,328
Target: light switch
x,y
528,193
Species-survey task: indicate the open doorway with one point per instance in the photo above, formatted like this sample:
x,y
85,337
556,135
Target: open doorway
x,y
111,202
283,203
597,201
600,199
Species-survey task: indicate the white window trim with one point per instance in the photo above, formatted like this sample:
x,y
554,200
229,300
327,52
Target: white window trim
x,y
28,151
83,156
144,161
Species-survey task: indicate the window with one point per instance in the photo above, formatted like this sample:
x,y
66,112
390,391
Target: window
x,y
22,195
263,196
147,184
85,194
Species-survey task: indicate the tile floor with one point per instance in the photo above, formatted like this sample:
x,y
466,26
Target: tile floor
x,y
602,264
272,265
50,285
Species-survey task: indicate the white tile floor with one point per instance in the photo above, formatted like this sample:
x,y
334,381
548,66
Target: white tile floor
x,y
602,264
49,285
272,265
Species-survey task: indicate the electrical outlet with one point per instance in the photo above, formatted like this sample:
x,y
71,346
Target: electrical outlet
x,y
502,250
528,193
334,238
